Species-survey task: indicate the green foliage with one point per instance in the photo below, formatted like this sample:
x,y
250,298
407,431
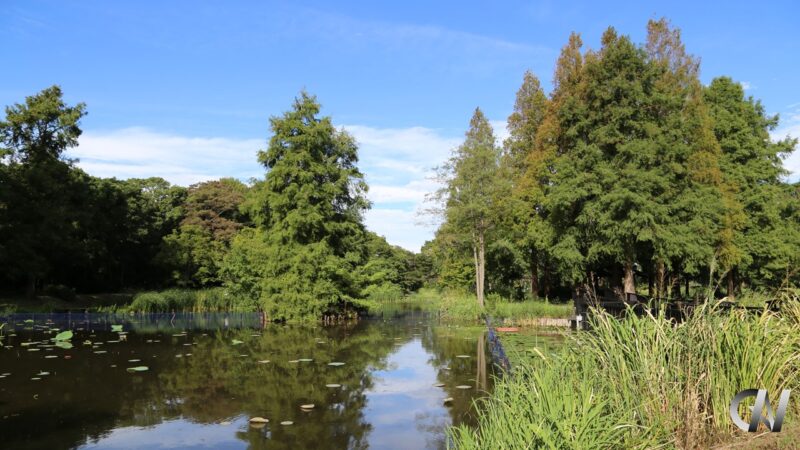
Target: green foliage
x,y
639,382
187,300
309,207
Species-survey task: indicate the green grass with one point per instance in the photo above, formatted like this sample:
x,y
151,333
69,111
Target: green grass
x,y
458,306
188,300
640,382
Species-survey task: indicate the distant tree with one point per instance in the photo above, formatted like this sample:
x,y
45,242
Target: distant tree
x,y
470,194
211,218
301,261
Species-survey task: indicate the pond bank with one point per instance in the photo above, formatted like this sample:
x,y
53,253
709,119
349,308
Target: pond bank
x,y
640,382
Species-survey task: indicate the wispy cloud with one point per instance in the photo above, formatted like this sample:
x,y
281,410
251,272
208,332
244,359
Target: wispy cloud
x,y
790,127
139,152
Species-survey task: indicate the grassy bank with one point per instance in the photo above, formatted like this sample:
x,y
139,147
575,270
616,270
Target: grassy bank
x,y
641,382
459,306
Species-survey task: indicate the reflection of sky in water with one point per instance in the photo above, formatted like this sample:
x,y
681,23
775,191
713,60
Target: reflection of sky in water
x,y
404,408
173,434
404,399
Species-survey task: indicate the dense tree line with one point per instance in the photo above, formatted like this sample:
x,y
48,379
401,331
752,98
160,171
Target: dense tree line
x,y
294,241
630,176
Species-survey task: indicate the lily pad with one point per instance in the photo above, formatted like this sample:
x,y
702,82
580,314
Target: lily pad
x,y
116,328
64,344
237,342
41,374
448,400
258,420
336,364
100,352
63,336
308,406
50,356
305,359
134,360
438,385
462,356
263,361
287,422
333,385
463,386
138,369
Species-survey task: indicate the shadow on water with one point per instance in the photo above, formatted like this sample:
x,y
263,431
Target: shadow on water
x,y
405,379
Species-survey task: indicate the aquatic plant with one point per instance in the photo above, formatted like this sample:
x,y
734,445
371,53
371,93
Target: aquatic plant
x,y
640,382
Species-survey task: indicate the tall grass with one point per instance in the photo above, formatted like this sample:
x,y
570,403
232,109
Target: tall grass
x,y
186,300
641,382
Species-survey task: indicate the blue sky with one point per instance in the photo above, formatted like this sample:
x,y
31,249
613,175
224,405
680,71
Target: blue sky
x,y
183,89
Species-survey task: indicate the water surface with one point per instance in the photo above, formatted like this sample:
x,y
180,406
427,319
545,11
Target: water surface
x,y
207,375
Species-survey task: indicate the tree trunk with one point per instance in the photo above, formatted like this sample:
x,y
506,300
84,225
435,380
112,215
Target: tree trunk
x,y
731,285
481,267
628,281
534,275
477,269
661,277
650,282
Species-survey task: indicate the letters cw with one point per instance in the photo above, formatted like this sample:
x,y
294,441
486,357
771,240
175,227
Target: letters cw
x,y
773,422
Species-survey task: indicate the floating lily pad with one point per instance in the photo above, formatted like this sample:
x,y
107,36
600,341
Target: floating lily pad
x,y
116,328
138,369
64,344
305,359
463,386
34,349
294,361
308,406
333,385
258,420
438,385
462,356
336,364
448,400
100,352
134,360
63,336
263,361
287,422
35,379
41,374
237,342
50,356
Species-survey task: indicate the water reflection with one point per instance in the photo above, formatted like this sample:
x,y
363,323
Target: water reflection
x,y
202,386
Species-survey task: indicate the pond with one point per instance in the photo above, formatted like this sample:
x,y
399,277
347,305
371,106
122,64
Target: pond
x,y
196,381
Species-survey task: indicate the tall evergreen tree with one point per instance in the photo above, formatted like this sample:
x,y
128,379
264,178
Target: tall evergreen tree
x,y
471,191
752,165
300,262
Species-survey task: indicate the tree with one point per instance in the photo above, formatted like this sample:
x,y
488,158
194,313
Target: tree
x,y
521,164
471,192
211,218
37,212
752,165
309,208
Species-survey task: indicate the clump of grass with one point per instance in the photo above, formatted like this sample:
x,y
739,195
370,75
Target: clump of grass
x,y
528,309
187,300
641,382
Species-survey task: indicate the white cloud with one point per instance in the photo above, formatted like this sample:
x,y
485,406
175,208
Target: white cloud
x,y
139,152
790,128
746,85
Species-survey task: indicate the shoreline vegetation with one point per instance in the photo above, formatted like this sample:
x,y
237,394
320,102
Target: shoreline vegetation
x,y
642,382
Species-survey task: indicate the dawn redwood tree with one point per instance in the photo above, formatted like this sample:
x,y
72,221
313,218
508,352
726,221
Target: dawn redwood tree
x,y
752,164
471,192
522,215
301,260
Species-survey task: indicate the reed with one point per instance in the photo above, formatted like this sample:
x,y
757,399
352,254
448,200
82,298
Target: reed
x,y
641,382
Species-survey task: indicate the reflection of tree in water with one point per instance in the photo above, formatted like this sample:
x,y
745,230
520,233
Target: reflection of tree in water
x,y
445,343
85,398
217,383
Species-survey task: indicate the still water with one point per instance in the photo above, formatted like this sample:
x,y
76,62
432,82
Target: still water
x,y
390,382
